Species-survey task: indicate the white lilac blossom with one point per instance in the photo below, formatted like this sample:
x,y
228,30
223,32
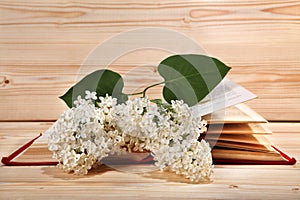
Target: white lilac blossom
x,y
88,132
81,137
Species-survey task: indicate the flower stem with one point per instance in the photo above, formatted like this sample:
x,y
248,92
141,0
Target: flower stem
x,y
144,91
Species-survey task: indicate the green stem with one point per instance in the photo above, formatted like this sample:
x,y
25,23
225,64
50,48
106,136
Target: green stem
x,y
144,91
136,93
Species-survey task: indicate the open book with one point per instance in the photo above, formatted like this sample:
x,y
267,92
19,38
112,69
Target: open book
x,y
232,143
236,133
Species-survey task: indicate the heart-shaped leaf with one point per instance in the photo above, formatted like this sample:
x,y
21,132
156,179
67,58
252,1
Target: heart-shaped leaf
x,y
102,81
190,77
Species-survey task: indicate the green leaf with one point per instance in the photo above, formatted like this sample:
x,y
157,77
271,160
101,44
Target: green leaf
x,y
102,81
190,77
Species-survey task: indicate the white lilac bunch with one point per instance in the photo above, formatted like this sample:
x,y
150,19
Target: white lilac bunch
x,y
80,138
88,132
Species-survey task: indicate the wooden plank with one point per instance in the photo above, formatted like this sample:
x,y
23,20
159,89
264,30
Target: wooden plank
x,y
231,182
32,92
74,54
179,12
38,33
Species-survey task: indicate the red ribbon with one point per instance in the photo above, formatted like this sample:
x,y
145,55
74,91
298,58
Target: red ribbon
x,y
8,160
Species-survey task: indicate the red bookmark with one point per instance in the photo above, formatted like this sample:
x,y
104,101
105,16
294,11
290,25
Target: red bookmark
x,y
8,160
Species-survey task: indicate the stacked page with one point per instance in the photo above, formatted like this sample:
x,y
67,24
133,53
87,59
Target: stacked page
x,y
239,136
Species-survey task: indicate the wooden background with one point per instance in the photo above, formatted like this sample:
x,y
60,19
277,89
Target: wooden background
x,y
43,43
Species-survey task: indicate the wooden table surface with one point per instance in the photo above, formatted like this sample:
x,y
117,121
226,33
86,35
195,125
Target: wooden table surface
x,y
229,182
44,43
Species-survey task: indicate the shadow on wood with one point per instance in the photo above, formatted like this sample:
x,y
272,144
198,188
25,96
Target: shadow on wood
x,y
56,172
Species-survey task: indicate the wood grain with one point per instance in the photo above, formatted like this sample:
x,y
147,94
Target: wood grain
x,y
42,46
230,182
32,92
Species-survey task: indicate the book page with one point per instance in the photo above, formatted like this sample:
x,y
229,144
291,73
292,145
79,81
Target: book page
x,y
241,142
230,154
239,128
227,93
239,113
